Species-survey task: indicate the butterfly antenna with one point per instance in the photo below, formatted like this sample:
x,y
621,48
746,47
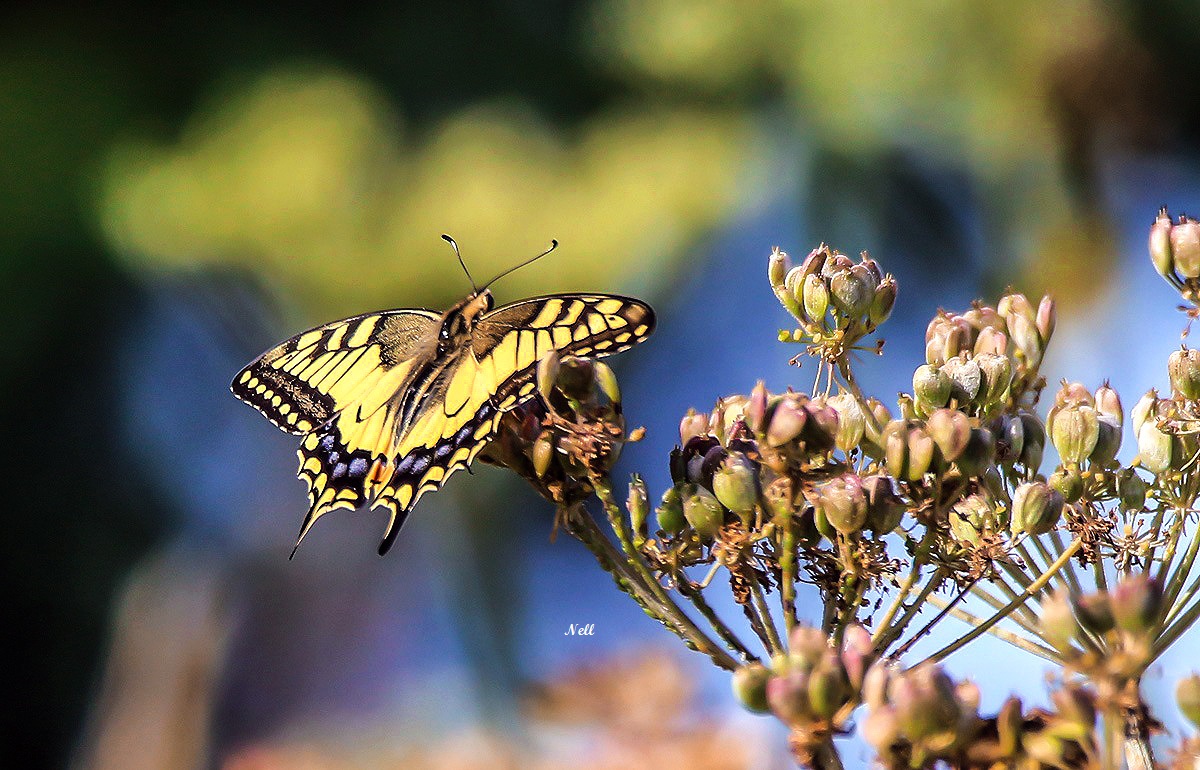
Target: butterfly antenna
x,y
458,254
553,246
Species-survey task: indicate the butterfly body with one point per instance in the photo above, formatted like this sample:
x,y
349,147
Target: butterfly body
x,y
390,404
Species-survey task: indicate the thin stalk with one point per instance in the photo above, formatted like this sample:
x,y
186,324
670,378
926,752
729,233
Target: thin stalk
x,y
1066,574
1025,623
914,573
910,612
1028,616
723,631
1176,629
1179,577
787,567
1029,592
936,619
1015,640
774,645
1069,570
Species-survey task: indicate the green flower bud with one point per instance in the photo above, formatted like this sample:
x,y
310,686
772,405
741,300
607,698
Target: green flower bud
x,y
814,297
736,486
807,646
702,510
638,505
997,376
1067,482
1033,440
1187,695
542,453
1108,404
1009,724
1136,603
1036,508
547,374
908,449
693,424
1094,612
787,420
1160,246
1046,319
1185,247
670,512
979,454
828,688
1026,338
885,509
1074,431
750,687
950,430
787,697
843,503
1009,432
1059,626
607,380
1183,366
852,291
850,423
777,267
931,387
1108,442
1156,450
883,301
820,432
756,408
1146,409
1131,489
965,379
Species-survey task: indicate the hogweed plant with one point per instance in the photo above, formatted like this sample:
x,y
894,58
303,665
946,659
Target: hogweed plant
x,y
893,518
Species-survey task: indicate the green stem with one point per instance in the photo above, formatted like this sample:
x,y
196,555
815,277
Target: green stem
x,y
735,644
911,611
774,645
1015,640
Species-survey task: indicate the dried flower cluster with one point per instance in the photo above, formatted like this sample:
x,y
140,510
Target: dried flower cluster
x,y
900,517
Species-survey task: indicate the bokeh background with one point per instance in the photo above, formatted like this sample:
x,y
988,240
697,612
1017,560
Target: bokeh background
x,y
185,184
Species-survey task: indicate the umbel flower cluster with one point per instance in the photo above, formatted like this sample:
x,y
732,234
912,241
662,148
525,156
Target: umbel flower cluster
x,y
893,517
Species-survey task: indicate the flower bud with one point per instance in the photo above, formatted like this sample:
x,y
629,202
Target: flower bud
x,y
1131,489
1160,246
606,378
787,420
1187,695
931,387
755,412
638,505
814,298
850,424
1033,435
736,485
1036,508
1059,626
857,652
1067,482
670,512
777,266
1009,432
807,646
1074,431
1185,247
1156,450
876,684
965,379
991,341
909,450
693,424
1108,404
1046,319
787,697
843,503
979,454
885,510
852,291
1094,612
828,688
1136,602
997,373
950,430
547,374
881,729
750,687
542,453
883,301
702,510
1183,366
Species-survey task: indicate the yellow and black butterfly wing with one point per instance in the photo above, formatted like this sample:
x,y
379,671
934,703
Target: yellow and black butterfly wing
x,y
333,383
496,376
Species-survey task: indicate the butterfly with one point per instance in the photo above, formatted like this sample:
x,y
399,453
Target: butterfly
x,y
390,404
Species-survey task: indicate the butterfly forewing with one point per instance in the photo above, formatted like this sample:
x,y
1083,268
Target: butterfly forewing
x,y
387,418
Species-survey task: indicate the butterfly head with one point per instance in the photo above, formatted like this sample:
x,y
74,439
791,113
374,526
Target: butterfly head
x,y
460,319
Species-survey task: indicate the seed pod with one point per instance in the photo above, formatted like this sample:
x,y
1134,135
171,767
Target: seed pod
x,y
1009,432
750,687
883,301
1046,319
606,379
991,340
1067,482
909,450
693,424
787,420
547,374
1108,404
1059,626
1156,450
735,484
997,376
756,408
1033,435
1074,431
814,298
1146,409
828,688
1160,246
670,512
1183,366
881,729
876,684
850,421
1009,723
638,505
1187,696
979,453
1094,612
1131,488
1036,508
931,388
1136,602
1185,247
950,430
885,510
777,267
787,697
702,510
807,646
965,379
542,453
851,291
843,503
857,652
